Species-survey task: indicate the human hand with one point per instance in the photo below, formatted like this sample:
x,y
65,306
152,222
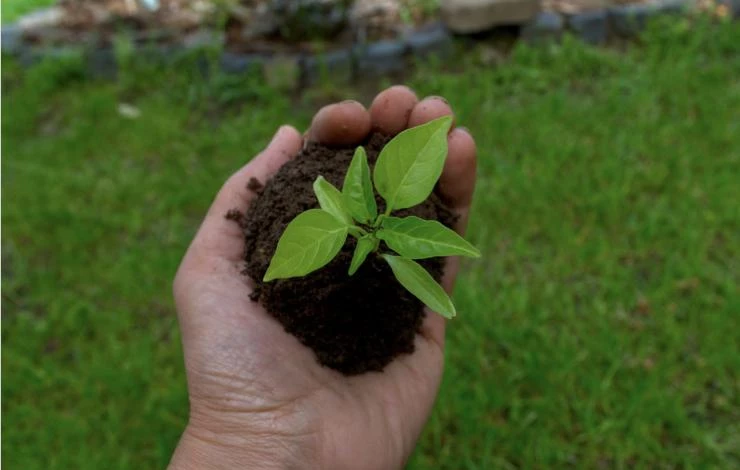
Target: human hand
x,y
258,397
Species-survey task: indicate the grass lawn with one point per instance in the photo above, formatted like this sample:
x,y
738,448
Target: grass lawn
x,y
14,9
600,330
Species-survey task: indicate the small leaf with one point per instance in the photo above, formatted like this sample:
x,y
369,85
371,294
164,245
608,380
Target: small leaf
x,y
415,238
420,283
358,190
365,246
410,165
330,199
308,243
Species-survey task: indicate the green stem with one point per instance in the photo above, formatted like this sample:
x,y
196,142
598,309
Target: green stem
x,y
379,220
356,231
377,244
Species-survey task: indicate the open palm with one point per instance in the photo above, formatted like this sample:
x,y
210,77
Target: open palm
x,y
258,397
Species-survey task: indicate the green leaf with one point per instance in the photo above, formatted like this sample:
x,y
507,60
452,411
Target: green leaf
x,y
330,199
409,165
358,190
308,243
415,238
420,283
365,246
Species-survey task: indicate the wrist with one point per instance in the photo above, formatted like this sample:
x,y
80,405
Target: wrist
x,y
203,449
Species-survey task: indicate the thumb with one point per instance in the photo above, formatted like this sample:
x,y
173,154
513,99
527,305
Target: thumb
x,y
219,239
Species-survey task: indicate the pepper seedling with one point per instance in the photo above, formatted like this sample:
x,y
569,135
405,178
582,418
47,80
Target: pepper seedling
x,y
407,169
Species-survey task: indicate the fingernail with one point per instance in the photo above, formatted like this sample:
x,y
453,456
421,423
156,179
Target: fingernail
x,y
277,134
439,98
404,87
464,129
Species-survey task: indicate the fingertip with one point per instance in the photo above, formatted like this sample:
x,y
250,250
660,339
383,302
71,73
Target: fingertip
x,y
431,107
285,144
458,177
342,123
288,135
462,147
433,328
221,237
457,183
391,109
287,140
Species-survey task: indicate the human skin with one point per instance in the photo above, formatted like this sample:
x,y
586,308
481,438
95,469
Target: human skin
x,y
258,397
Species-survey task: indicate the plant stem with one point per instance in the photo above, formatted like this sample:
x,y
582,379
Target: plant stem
x,y
356,231
379,220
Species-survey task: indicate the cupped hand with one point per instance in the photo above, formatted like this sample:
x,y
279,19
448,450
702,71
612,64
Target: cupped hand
x,y
258,397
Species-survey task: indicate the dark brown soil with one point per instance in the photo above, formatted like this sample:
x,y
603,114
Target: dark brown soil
x,y
354,324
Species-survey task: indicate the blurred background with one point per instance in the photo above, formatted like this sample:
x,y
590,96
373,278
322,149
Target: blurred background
x,y
600,328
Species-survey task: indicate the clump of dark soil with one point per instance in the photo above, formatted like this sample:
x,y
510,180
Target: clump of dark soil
x,y
354,324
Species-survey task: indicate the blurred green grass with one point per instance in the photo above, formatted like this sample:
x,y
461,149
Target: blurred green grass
x,y
598,331
11,10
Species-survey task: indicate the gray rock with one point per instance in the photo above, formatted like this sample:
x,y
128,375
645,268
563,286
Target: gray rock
x,y
366,12
381,57
573,7
547,25
591,26
203,39
430,40
102,63
159,53
676,6
376,18
30,56
200,48
11,39
40,19
630,20
300,20
335,66
472,16
241,63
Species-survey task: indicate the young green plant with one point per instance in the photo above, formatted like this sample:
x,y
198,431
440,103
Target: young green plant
x,y
407,169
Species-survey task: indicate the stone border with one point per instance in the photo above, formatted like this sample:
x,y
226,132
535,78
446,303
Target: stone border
x,y
630,20
10,39
615,21
370,59
599,26
356,60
